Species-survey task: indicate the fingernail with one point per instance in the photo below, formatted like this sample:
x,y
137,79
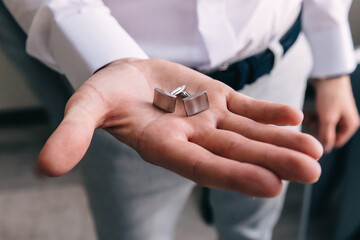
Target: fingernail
x,y
301,113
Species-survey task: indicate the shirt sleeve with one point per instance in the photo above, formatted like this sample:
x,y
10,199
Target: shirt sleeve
x,y
325,23
73,37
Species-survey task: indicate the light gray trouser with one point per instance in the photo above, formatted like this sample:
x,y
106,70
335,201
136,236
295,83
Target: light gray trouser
x,y
133,200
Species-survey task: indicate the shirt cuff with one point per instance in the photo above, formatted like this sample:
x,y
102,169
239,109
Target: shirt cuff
x,y
78,40
357,55
333,52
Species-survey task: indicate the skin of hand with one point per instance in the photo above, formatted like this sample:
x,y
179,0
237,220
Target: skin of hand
x,y
229,146
337,115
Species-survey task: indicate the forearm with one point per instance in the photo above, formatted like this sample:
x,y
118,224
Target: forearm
x,y
74,38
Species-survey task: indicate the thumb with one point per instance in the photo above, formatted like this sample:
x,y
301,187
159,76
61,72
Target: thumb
x,y
70,141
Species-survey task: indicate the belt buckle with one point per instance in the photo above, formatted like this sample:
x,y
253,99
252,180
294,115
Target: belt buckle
x,y
277,49
224,66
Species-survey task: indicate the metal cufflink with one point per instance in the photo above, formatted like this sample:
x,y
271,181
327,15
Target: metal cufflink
x,y
165,100
196,103
193,104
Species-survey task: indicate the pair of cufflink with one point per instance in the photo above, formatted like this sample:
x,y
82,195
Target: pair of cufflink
x,y
193,103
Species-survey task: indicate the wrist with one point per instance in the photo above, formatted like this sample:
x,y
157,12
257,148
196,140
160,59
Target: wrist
x,y
334,80
117,62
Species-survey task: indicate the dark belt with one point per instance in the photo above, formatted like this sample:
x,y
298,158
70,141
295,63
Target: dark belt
x,y
248,70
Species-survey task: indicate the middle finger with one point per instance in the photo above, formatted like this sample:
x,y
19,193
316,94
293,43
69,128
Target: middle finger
x,y
286,163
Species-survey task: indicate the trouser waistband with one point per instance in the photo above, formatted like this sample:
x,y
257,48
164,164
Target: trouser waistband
x,y
248,70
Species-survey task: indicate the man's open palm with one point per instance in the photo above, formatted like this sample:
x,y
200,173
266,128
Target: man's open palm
x,y
229,146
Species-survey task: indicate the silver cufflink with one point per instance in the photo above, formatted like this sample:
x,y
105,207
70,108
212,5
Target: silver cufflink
x,y
166,100
193,103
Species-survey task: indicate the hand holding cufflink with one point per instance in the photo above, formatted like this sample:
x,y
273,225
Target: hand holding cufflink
x,y
228,145
193,104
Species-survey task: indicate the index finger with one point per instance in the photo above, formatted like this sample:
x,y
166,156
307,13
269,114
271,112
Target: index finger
x,y
264,111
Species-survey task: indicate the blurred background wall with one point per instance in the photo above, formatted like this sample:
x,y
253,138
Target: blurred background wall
x,y
355,21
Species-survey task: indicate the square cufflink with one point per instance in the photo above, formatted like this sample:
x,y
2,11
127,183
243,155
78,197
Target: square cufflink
x,y
165,100
193,103
196,103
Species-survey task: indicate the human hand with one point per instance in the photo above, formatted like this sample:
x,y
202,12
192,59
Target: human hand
x,y
228,146
336,112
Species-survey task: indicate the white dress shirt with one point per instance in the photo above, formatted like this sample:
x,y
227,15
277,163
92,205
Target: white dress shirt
x,y
76,37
